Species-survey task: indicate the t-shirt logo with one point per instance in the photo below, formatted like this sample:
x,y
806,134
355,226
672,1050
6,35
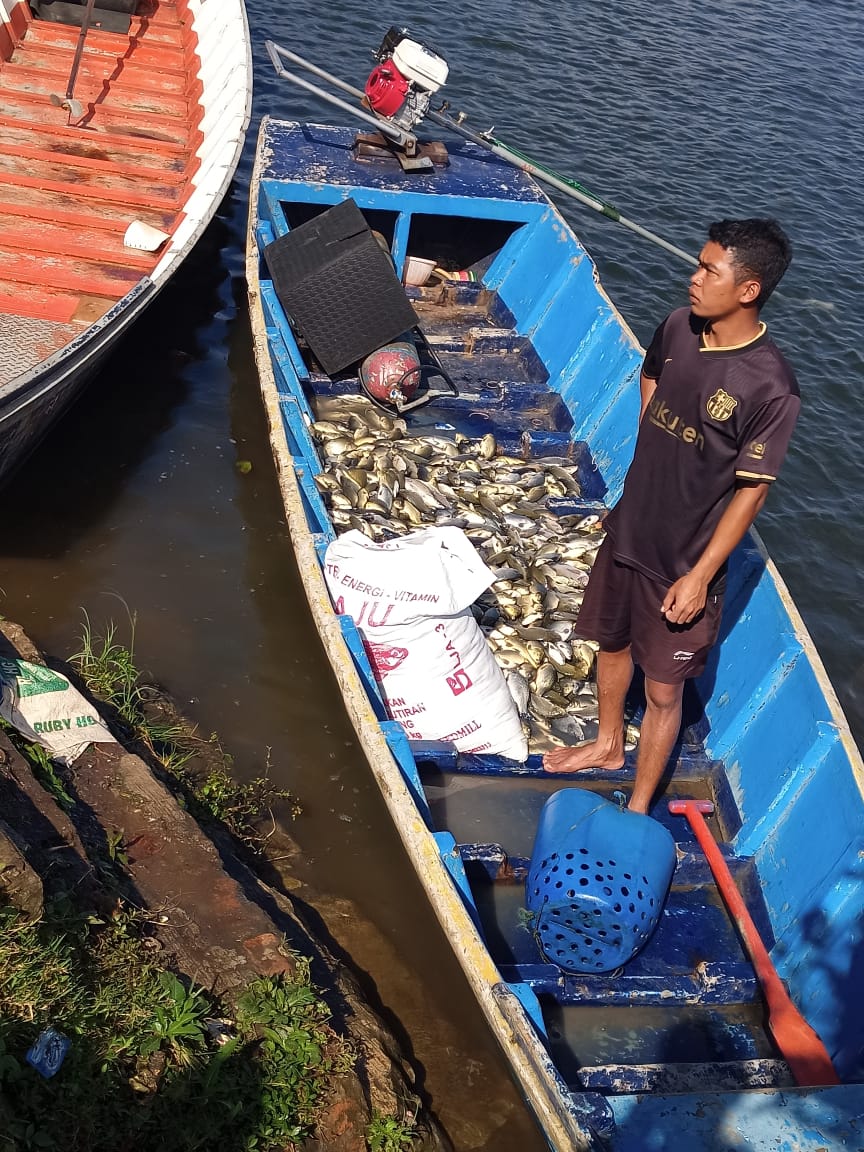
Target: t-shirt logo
x,y
756,450
721,405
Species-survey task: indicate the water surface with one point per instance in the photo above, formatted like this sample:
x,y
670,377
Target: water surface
x,y
679,113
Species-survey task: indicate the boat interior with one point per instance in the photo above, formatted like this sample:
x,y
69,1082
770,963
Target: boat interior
x,y
75,174
544,361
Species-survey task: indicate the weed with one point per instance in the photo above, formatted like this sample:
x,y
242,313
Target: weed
x,y
116,851
389,1134
140,1071
109,672
179,1021
43,767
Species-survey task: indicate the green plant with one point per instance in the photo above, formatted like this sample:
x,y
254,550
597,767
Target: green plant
x,y
299,1052
140,1071
109,672
108,669
389,1134
45,772
178,1020
116,851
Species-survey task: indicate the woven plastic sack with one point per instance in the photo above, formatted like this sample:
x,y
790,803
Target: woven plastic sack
x,y
43,706
410,598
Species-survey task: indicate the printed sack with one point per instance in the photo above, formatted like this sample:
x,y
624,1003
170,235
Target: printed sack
x,y
410,598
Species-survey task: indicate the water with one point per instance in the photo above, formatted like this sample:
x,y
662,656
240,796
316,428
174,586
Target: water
x,y
679,113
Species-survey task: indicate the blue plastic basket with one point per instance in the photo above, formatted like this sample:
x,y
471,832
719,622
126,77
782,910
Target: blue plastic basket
x,y
597,881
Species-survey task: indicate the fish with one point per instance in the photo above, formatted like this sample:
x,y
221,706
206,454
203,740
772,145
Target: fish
x,y
382,480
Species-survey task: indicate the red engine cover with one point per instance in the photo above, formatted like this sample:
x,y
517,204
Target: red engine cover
x,y
386,89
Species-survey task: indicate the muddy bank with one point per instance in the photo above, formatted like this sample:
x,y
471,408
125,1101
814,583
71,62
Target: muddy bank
x,y
214,920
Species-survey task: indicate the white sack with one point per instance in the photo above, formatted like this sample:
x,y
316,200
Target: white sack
x,y
46,709
410,598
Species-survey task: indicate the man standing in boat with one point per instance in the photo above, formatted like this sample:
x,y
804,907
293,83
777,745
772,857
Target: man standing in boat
x,y
719,403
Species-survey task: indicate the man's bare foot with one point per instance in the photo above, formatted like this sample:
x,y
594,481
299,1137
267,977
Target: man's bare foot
x,y
592,755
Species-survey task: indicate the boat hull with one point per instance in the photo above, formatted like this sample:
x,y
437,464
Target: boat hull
x,y
71,286
771,743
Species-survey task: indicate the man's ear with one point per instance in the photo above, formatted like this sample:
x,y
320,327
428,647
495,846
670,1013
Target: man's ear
x,y
749,291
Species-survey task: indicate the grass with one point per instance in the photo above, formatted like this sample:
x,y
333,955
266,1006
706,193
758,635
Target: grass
x,y
154,1062
143,1068
389,1134
108,669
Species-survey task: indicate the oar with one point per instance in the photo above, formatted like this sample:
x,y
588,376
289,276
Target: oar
x,y
74,107
802,1049
401,135
562,183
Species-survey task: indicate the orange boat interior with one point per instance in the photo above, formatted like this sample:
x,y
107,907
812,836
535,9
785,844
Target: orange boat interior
x,y
70,185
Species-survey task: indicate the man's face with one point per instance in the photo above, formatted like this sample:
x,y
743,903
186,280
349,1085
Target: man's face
x,y
714,291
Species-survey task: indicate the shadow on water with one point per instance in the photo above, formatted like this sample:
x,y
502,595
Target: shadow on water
x,y
81,467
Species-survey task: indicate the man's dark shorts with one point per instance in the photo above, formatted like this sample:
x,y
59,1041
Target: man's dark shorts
x,y
622,606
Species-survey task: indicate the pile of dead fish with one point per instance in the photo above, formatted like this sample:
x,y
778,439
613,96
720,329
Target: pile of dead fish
x,y
384,482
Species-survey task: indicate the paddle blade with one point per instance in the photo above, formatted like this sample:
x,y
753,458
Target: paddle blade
x,y
802,1049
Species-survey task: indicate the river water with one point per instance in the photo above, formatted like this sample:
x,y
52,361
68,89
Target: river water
x,y
679,113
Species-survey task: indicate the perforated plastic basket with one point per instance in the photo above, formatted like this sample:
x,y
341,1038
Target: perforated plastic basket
x,y
597,881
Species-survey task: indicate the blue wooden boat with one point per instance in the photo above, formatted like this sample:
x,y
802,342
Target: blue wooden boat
x,y
672,1050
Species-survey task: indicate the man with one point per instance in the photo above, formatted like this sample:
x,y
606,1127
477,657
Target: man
x,y
719,403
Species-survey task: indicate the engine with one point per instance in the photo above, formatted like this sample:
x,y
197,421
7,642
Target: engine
x,y
406,76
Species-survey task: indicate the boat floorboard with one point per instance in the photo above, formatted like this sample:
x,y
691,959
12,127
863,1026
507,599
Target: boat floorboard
x,y
68,191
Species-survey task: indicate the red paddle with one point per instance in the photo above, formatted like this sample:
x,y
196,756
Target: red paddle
x,y
802,1049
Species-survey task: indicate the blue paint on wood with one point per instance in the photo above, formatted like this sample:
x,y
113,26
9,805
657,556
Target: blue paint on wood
x,y
818,1120
790,799
355,646
453,862
400,746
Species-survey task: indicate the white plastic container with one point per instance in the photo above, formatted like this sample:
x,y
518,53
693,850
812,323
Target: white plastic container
x,y
418,64
418,271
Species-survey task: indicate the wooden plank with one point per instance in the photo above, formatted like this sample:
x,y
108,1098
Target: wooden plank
x,y
157,72
44,204
92,137
167,33
74,145
79,166
69,274
36,303
97,189
15,80
141,53
119,121
85,243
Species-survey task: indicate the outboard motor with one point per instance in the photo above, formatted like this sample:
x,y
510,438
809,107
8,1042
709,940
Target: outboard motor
x,y
406,76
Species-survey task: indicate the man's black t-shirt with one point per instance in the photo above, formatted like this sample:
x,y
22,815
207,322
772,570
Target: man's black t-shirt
x,y
718,415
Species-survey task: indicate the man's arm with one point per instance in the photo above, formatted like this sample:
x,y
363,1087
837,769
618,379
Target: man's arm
x,y
647,388
686,598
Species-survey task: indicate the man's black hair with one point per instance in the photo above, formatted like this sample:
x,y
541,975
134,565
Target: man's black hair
x,y
760,249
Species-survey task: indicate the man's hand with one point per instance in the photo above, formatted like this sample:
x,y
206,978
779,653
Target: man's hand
x,y
685,599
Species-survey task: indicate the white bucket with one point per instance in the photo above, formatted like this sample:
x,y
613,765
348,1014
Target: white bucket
x,y
144,237
418,271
